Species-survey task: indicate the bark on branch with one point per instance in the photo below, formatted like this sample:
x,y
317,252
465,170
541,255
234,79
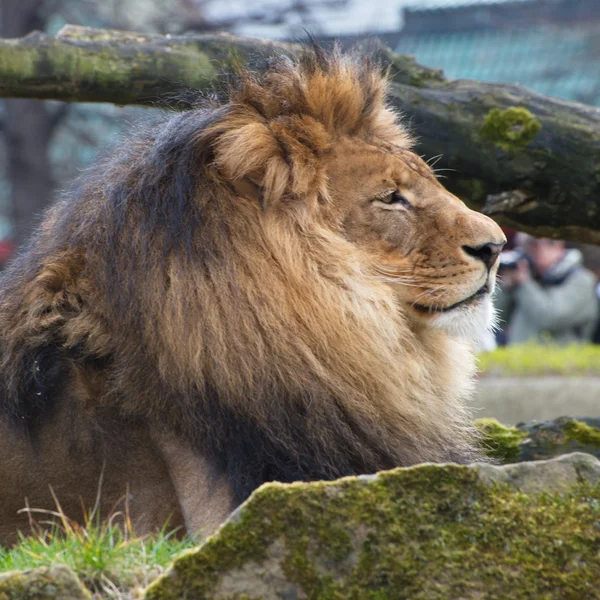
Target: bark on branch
x,y
529,161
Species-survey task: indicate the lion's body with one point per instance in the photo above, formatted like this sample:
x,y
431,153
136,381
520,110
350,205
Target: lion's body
x,y
106,464
204,305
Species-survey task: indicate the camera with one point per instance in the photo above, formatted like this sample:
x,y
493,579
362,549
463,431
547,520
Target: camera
x,y
509,259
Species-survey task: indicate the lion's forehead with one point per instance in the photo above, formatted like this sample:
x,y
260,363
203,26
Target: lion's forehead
x,y
380,160
414,162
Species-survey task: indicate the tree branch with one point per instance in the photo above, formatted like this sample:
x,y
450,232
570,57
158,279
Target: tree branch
x,y
530,161
82,64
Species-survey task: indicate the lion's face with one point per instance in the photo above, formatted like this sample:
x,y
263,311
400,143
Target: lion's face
x,y
439,256
323,138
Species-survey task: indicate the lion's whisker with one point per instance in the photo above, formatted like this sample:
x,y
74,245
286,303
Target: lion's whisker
x,y
403,272
397,281
426,293
434,160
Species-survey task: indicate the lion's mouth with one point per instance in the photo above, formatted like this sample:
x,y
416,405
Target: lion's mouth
x,y
482,291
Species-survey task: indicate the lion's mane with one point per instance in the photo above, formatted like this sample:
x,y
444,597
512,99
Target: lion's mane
x,y
249,328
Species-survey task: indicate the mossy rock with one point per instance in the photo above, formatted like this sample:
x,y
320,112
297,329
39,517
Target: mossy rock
x,y
430,532
538,440
45,583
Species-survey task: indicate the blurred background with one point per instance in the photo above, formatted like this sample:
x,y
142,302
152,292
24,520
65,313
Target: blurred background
x,y
551,46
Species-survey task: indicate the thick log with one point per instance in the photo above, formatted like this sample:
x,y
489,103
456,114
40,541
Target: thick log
x,y
529,161
81,64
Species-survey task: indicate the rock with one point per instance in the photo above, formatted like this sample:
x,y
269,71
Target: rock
x,y
537,440
430,532
44,583
557,475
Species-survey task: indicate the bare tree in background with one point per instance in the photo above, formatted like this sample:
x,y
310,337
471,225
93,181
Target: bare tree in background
x,y
28,127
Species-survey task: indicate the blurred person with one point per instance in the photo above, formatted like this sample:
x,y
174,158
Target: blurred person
x,y
596,336
547,295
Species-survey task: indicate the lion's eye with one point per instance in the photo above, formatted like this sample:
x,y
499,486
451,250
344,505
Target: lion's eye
x,y
396,198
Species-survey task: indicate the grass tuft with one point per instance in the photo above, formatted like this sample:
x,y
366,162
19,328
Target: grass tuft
x,y
108,558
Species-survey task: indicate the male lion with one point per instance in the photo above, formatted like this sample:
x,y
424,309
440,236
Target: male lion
x,y
270,288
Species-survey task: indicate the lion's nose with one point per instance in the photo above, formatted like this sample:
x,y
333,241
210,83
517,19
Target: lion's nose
x,y
487,253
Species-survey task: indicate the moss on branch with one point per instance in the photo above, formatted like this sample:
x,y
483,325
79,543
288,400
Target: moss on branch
x,y
510,129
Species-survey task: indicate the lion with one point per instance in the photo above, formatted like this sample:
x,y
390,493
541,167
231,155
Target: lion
x,y
271,286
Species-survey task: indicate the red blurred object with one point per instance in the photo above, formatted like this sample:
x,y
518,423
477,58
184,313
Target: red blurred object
x,y
510,238
6,251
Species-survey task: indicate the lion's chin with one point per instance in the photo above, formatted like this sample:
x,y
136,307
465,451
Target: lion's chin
x,y
471,321
481,293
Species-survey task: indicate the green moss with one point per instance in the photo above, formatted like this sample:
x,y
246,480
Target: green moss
x,y
534,359
583,434
500,442
426,533
539,440
421,78
511,128
104,67
405,69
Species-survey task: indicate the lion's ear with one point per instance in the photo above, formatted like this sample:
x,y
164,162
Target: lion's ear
x,y
266,185
250,188
251,160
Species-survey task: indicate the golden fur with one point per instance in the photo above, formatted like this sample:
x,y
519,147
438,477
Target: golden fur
x,y
262,288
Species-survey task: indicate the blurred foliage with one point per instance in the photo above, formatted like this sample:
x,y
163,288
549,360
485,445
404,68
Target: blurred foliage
x,y
534,359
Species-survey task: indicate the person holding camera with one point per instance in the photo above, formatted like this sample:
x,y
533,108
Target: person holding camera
x,y
546,294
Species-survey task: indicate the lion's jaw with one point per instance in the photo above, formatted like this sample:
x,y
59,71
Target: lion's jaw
x,y
472,319
470,323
